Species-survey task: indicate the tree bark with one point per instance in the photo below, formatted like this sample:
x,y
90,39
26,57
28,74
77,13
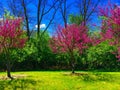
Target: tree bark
x,y
26,19
72,62
39,18
73,68
63,11
8,70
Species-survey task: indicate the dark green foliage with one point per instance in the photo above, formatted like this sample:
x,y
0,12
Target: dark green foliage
x,y
101,57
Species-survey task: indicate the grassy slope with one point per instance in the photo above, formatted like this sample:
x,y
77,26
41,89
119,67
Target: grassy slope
x,y
49,80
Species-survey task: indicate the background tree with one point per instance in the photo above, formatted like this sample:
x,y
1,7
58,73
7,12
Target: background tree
x,y
71,39
63,10
21,8
86,9
44,8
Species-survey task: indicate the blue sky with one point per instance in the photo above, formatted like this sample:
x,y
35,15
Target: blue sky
x,y
72,9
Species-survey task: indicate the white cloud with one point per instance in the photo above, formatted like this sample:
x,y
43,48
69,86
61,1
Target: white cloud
x,y
41,26
1,19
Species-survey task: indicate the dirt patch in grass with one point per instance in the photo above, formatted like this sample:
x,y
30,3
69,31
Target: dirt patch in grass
x,y
14,76
76,74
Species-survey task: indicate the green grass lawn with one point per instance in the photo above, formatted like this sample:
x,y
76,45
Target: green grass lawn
x,y
50,80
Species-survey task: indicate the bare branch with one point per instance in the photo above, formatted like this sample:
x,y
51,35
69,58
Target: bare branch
x,y
87,8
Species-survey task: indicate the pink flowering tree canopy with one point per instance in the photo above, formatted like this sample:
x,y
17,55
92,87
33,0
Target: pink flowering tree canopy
x,y
111,26
11,37
70,39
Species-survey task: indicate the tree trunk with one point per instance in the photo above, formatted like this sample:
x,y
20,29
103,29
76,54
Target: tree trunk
x,y
73,68
8,70
38,18
72,62
26,19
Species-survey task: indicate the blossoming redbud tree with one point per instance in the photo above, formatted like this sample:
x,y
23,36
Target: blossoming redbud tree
x,y
70,39
11,37
111,26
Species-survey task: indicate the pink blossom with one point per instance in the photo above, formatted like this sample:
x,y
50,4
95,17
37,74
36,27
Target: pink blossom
x,y
111,26
11,35
69,39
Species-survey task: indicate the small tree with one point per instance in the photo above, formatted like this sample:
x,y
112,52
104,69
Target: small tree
x,y
11,37
70,39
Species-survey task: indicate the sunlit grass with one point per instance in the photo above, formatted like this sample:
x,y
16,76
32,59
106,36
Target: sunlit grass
x,y
50,80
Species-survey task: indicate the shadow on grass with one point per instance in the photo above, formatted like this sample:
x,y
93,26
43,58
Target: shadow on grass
x,y
88,77
22,84
97,77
